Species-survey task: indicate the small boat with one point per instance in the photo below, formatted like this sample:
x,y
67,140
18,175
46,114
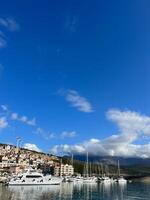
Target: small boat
x,y
32,177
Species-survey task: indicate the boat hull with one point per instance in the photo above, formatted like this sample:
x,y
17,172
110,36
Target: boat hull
x,y
35,183
24,184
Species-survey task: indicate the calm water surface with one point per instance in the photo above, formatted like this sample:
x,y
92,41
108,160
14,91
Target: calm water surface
x,y
69,191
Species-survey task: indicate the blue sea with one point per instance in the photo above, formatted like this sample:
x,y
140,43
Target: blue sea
x,y
70,191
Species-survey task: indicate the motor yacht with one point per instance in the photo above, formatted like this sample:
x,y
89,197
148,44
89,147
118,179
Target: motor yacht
x,y
32,177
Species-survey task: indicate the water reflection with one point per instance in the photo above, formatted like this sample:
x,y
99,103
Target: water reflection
x,y
70,191
112,191
33,192
66,191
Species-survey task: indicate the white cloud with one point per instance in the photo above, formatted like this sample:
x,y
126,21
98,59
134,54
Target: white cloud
x,y
32,147
3,122
43,134
51,135
130,122
24,119
77,101
132,126
105,148
9,23
66,134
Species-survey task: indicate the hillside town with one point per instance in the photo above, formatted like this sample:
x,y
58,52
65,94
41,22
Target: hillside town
x,y
13,160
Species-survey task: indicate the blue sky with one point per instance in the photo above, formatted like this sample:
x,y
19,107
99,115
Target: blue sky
x,y
75,74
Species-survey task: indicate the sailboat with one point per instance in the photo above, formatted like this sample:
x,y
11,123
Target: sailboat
x,y
106,178
87,178
120,179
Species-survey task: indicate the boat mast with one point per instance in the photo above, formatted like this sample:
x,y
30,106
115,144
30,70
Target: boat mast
x,y
118,168
107,170
72,159
87,167
90,170
99,169
102,169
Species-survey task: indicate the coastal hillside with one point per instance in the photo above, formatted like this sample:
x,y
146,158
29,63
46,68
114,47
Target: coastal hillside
x,y
97,164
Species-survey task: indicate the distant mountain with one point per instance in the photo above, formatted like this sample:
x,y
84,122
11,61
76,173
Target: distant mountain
x,y
114,160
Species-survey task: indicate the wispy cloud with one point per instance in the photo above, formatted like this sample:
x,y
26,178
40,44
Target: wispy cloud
x,y
9,23
31,122
45,135
66,134
51,135
132,126
4,107
33,147
23,119
3,123
76,100
8,115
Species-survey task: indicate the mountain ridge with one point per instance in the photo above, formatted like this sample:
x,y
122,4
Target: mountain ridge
x,y
113,160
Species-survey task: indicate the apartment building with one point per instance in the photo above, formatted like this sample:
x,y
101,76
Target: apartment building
x,y
64,170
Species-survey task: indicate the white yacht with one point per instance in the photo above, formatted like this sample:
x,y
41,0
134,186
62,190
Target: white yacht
x,y
32,177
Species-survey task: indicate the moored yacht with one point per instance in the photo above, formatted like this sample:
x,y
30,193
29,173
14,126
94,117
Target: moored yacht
x,y
32,177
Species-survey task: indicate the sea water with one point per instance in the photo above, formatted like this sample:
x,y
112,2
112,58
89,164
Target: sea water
x,y
70,191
